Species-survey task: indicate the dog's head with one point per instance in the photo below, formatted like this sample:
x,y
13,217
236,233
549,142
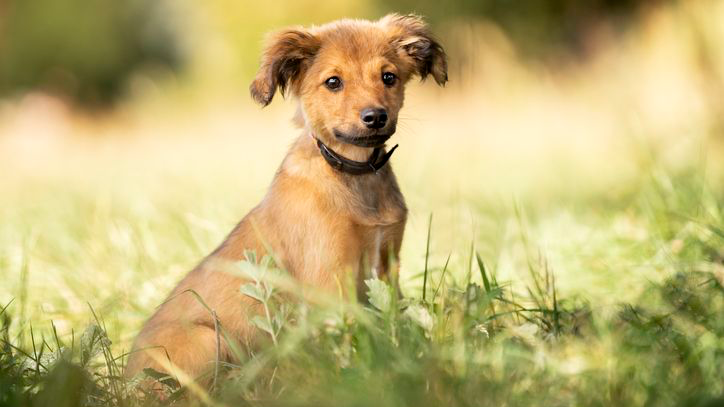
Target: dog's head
x,y
350,75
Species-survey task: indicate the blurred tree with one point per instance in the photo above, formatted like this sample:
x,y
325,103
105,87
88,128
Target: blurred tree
x,y
536,26
82,50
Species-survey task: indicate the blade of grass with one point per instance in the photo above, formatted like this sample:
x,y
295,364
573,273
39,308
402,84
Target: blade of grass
x,y
442,277
427,257
481,265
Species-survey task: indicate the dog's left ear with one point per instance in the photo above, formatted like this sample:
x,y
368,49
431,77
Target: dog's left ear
x,y
413,40
285,59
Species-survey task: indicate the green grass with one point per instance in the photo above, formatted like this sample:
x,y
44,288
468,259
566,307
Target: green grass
x,y
653,334
564,246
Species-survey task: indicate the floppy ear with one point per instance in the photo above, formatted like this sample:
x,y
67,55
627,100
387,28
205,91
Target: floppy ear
x,y
413,40
285,58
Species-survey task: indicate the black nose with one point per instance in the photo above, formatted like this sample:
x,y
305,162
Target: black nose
x,y
374,118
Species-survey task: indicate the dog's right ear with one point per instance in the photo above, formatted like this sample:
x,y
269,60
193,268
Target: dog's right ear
x,y
285,58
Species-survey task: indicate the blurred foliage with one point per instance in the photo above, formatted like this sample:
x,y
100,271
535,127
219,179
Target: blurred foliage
x,y
84,51
87,51
536,26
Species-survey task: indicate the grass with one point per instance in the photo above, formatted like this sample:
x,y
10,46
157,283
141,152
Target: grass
x,y
565,244
465,336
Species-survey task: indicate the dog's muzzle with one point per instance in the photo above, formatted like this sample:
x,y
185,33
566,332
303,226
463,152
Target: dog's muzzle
x,y
376,140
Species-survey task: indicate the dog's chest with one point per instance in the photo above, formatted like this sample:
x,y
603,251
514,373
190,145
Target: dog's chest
x,y
376,200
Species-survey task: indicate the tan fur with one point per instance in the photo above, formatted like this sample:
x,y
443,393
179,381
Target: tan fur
x,y
317,221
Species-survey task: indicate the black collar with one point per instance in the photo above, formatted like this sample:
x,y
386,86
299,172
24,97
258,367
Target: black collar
x,y
340,163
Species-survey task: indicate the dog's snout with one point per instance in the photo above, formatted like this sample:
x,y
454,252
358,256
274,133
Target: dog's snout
x,y
374,118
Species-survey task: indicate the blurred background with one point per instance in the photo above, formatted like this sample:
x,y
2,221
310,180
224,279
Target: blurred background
x,y
129,145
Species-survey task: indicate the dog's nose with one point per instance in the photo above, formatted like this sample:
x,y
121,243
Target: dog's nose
x,y
374,118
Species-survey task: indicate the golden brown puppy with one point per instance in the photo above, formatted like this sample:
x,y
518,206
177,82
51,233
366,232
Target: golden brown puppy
x,y
334,204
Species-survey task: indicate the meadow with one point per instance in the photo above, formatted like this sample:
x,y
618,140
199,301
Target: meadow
x,y
565,244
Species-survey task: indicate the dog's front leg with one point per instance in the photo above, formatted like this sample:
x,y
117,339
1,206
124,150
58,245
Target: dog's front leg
x,y
388,264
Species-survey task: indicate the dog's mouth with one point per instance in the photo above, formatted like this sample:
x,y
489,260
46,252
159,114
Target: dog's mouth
x,y
375,140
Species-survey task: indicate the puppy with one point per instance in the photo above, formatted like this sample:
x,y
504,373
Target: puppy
x,y
334,206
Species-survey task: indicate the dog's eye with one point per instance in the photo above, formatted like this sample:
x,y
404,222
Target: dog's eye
x,y
333,83
388,78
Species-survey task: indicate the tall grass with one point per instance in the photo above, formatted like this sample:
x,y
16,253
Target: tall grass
x,y
574,255
473,341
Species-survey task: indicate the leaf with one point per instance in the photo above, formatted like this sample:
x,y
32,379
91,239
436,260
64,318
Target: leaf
x,y
267,262
379,294
250,270
250,256
420,315
163,378
92,342
481,265
251,290
262,324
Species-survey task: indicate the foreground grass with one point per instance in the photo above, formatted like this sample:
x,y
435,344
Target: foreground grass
x,y
564,266
469,337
